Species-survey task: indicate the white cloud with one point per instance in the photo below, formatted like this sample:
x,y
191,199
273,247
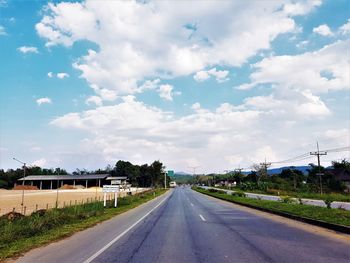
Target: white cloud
x,y
302,44
94,100
201,76
220,75
296,81
307,70
62,75
219,139
50,74
128,39
345,29
43,101
155,133
40,162
26,49
36,149
166,92
128,59
323,30
196,106
301,8
149,85
2,31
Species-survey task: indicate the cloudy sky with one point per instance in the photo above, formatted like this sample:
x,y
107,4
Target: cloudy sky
x,y
214,84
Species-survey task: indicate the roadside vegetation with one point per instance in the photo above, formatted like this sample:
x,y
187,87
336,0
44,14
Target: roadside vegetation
x,y
21,233
289,182
341,197
287,205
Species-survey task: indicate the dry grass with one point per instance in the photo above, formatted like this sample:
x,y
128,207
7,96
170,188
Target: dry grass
x,y
43,199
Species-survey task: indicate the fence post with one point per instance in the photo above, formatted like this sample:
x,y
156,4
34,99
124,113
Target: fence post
x,y
64,204
36,207
24,210
70,202
13,209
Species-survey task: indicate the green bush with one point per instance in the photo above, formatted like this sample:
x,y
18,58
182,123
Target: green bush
x,y
287,200
328,201
239,194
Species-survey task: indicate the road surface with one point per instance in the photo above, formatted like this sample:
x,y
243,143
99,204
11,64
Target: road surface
x,y
186,226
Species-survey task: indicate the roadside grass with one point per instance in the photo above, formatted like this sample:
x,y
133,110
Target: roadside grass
x,y
329,196
32,231
334,216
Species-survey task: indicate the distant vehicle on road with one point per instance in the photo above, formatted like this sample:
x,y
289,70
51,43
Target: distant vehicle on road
x,y
172,184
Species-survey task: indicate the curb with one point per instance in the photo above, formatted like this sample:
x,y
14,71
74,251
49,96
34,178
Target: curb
x,y
335,227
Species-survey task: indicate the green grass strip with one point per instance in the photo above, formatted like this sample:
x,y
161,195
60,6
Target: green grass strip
x,y
33,231
333,216
339,197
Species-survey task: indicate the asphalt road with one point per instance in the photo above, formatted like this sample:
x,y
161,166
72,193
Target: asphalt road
x,y
185,226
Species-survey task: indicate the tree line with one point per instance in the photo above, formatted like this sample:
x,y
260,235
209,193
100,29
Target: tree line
x,y
290,179
146,175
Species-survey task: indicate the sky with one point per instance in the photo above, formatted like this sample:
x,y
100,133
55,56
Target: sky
x,y
215,85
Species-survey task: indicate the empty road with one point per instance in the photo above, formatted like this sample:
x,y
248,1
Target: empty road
x,y
185,226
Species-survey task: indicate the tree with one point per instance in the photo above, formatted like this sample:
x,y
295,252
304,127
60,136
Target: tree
x,y
343,164
293,176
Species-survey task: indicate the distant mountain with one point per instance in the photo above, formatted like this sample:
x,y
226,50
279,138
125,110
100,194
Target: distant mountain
x,y
302,169
181,173
272,171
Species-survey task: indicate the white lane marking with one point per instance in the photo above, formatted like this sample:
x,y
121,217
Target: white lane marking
x,y
90,259
192,204
203,219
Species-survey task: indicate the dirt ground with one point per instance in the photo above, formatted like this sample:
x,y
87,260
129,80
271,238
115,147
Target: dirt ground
x,y
42,199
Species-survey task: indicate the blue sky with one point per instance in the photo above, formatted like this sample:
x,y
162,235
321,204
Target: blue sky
x,y
84,84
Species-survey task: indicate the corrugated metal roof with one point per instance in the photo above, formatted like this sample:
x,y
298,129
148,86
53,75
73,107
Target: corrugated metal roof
x,y
64,177
117,178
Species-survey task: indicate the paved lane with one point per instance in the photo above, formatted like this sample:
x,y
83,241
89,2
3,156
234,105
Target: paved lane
x,y
191,227
185,226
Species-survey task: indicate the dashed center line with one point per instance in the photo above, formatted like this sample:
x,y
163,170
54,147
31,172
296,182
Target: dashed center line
x,y
203,219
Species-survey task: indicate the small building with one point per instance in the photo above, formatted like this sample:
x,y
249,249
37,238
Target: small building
x,y
57,181
342,175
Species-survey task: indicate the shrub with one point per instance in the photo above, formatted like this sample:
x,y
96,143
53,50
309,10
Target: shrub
x,y
300,201
287,199
238,193
328,202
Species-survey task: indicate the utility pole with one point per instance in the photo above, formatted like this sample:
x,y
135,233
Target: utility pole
x,y
318,154
265,165
194,169
239,171
24,178
165,173
58,182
